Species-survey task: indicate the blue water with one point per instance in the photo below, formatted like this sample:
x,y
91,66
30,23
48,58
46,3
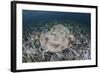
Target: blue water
x,y
39,18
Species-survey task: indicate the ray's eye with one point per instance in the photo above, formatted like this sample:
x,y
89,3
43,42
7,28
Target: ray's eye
x,y
53,33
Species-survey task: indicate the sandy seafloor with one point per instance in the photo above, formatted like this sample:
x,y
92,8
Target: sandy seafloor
x,y
37,22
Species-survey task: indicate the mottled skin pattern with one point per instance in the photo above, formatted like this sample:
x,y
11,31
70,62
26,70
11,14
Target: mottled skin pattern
x,y
57,39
